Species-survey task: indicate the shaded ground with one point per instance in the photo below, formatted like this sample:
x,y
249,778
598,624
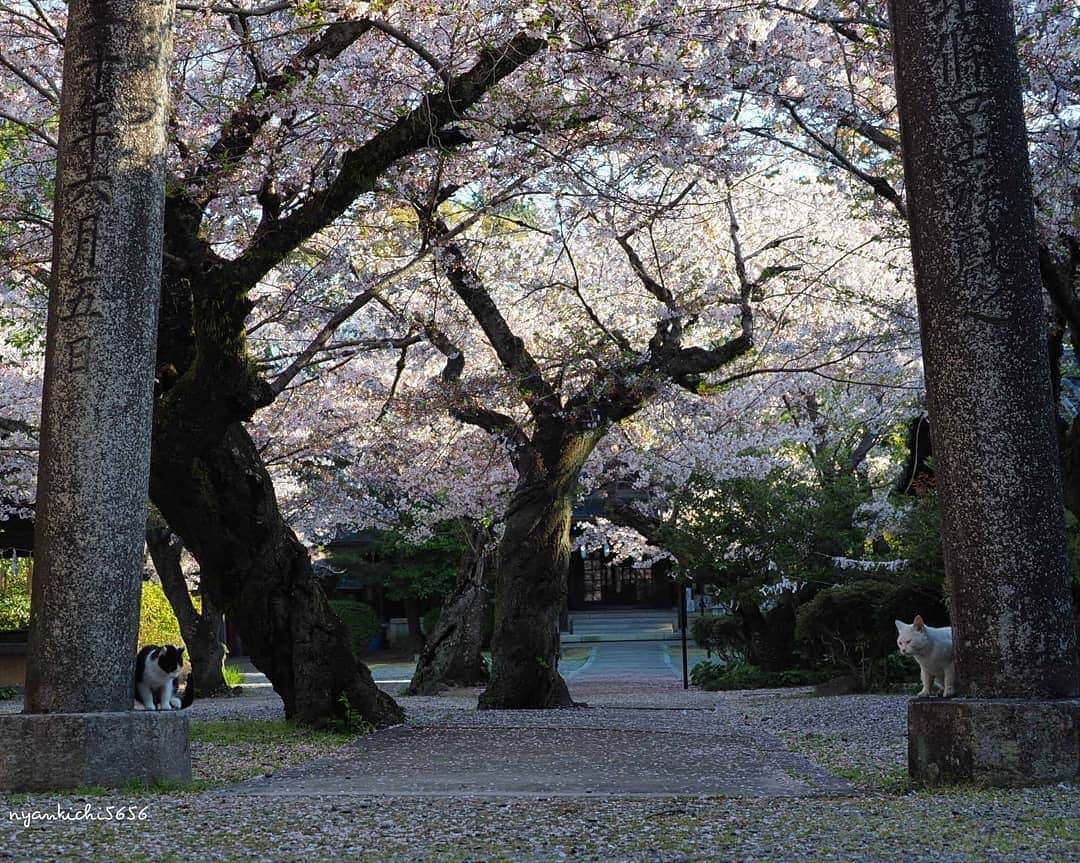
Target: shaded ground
x,y
645,751
647,773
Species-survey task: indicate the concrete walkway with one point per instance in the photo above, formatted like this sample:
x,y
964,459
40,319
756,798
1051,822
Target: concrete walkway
x,y
609,660
389,674
626,660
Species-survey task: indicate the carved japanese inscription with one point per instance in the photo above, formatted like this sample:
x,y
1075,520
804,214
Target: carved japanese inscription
x,y
974,247
97,402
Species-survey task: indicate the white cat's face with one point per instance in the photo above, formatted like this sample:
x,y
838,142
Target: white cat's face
x,y
909,639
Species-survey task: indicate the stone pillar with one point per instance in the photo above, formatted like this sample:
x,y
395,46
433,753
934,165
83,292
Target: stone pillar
x,y
988,388
96,412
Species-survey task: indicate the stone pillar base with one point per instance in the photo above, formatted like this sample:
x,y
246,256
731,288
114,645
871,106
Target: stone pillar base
x,y
54,751
1001,742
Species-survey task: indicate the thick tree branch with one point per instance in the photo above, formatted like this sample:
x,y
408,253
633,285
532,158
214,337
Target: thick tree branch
x,y
339,317
622,391
399,370
239,131
45,94
405,39
464,406
539,396
253,12
871,132
32,128
321,339
880,185
1057,278
360,167
841,25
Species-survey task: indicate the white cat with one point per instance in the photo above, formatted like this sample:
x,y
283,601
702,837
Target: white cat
x,y
932,648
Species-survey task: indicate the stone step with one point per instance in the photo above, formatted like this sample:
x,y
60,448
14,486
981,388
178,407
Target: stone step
x,y
664,617
590,638
621,625
614,630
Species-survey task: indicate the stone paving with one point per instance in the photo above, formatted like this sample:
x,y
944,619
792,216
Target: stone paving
x,y
641,735
639,660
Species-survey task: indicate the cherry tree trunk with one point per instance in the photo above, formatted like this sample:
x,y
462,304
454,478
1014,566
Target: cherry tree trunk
x,y
533,561
452,655
255,569
201,630
984,347
532,565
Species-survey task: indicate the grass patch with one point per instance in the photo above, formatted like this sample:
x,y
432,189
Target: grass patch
x,y
718,676
843,760
894,780
233,675
140,787
574,654
275,732
223,752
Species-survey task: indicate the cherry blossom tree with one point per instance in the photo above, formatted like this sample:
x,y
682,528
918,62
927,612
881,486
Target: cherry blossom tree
x,y
579,310
271,150
820,76
299,136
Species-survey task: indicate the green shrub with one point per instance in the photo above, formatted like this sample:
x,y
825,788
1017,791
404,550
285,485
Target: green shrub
x,y
1072,534
720,634
430,619
849,629
362,620
15,595
716,676
157,623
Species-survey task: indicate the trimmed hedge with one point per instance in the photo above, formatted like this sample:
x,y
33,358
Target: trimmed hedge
x,y
157,623
362,620
849,628
719,633
716,676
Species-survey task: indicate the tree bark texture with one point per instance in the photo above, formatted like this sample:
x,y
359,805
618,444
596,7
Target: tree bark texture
x,y
99,368
532,563
201,631
257,571
452,655
984,347
415,637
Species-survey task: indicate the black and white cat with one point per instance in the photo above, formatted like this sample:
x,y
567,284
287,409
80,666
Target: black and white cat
x,y
157,676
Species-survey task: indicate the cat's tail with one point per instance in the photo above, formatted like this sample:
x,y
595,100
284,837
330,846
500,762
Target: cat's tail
x,y
188,697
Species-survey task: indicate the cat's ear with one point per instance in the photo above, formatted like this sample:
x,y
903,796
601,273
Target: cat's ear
x,y
899,625
918,623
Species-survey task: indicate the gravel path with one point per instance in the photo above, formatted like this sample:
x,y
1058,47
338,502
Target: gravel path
x,y
855,737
